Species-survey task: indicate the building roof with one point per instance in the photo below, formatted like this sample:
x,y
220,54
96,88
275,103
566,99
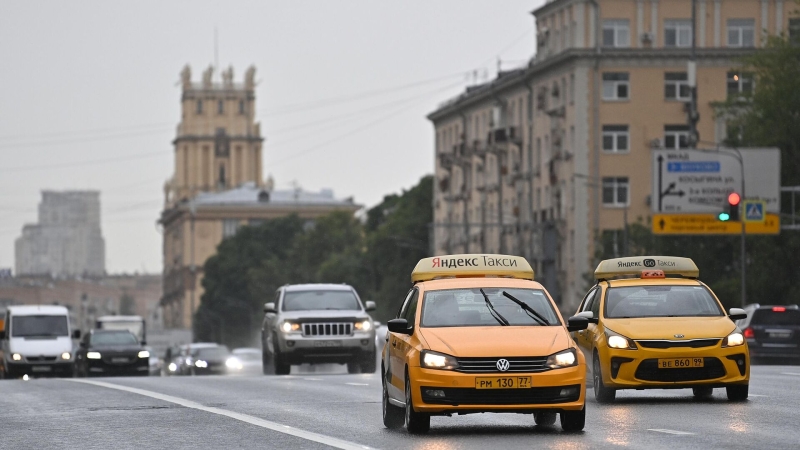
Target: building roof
x,y
250,194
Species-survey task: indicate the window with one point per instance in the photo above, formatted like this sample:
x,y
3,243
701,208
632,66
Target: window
x,y
571,88
615,85
199,107
241,106
615,138
741,32
615,191
677,33
794,31
220,107
739,83
616,33
229,227
676,86
676,136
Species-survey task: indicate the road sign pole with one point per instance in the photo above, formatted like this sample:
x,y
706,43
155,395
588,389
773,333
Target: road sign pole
x,y
744,233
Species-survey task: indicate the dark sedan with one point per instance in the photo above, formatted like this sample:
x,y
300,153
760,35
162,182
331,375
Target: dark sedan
x,y
212,360
772,333
111,352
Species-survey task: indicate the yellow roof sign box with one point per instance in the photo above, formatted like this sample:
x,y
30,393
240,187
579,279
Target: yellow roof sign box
x,y
472,265
634,265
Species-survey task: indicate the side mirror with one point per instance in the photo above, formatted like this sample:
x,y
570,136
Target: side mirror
x,y
269,308
400,326
2,334
588,315
76,334
737,314
143,343
577,323
369,306
82,344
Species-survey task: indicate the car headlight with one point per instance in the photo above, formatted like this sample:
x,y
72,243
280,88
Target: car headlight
x,y
144,354
233,363
363,326
435,360
288,327
566,358
200,364
618,341
93,355
66,355
16,357
172,367
733,340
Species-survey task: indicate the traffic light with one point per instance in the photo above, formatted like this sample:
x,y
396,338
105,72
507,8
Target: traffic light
x,y
731,211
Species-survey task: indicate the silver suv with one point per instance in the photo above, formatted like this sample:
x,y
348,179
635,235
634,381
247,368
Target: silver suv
x,y
318,323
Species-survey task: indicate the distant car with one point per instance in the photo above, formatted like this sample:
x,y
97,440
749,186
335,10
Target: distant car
x,y
250,359
111,352
318,323
772,332
154,362
212,359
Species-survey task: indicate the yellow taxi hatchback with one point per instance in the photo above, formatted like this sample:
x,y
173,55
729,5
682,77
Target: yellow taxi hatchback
x,y
476,334
654,325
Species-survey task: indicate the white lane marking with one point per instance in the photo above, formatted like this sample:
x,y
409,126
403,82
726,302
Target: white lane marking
x,y
357,384
757,395
313,379
790,373
676,432
307,435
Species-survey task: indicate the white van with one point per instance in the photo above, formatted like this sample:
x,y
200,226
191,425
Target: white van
x,y
37,340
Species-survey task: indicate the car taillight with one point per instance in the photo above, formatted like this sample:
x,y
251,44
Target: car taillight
x,y
749,334
779,308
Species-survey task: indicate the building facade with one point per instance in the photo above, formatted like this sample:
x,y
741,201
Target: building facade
x,y
553,159
218,187
67,240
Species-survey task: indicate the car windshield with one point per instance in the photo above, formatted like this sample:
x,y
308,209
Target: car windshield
x,y
39,326
310,300
468,307
115,338
134,326
660,301
212,352
772,317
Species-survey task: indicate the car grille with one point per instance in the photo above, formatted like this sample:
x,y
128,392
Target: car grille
x,y
40,358
118,359
327,329
691,343
648,371
489,365
470,396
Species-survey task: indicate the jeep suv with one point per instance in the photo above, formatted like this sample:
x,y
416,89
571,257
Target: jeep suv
x,y
318,323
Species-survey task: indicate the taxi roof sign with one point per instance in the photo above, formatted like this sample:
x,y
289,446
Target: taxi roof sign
x,y
472,265
634,265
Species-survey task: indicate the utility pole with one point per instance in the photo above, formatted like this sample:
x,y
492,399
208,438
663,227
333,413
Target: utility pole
x,y
692,115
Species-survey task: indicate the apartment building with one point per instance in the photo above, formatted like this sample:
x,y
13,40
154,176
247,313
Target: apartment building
x,y
549,160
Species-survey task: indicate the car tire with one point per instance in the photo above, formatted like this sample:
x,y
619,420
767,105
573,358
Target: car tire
x,y
354,366
702,392
573,420
281,367
544,418
393,416
266,364
601,393
416,423
370,363
737,392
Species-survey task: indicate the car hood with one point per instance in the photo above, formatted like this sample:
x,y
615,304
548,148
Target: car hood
x,y
496,341
668,327
323,314
115,348
43,347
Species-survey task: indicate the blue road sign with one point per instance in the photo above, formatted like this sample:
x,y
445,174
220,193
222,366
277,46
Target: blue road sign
x,y
754,210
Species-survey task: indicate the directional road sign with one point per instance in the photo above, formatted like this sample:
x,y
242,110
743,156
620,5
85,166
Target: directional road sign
x,y
754,211
709,224
697,181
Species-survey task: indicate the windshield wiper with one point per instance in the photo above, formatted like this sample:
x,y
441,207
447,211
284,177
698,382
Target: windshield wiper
x,y
528,310
494,313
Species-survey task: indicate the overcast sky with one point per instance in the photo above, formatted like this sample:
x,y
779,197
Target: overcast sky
x,y
89,96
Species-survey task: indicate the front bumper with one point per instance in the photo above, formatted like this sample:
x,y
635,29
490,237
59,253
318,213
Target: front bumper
x,y
99,367
64,368
553,390
297,349
638,369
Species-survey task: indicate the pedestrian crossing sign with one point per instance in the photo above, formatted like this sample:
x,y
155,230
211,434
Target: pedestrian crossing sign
x,y
754,210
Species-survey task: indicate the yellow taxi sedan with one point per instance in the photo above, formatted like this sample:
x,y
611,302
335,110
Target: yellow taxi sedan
x,y
654,325
476,334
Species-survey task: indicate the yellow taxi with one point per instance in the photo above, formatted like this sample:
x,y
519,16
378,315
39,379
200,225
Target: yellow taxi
x,y
476,334
654,325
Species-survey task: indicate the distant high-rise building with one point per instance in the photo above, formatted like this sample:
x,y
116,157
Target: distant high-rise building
x,y
67,241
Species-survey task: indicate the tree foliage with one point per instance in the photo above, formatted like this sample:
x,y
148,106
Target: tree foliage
x,y
375,257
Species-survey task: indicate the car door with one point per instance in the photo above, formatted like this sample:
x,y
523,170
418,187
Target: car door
x,y
397,345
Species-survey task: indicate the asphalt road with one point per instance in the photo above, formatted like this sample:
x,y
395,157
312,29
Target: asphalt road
x,y
326,409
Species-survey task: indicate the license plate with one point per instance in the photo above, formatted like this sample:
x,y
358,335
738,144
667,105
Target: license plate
x,y
502,382
680,363
41,368
327,343
780,335
119,360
